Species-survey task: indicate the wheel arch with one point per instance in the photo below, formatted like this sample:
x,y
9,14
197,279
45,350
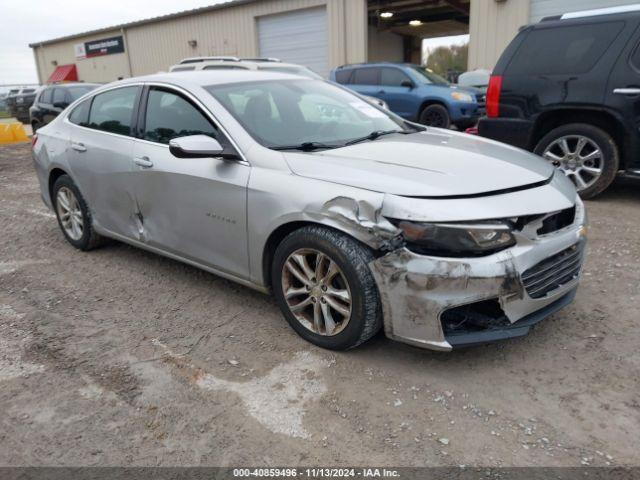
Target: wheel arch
x,y
432,101
281,231
54,174
603,119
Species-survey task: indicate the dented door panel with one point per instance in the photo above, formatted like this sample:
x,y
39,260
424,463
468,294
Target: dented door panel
x,y
103,174
194,208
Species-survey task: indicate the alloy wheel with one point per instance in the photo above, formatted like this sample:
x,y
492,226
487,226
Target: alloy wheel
x,y
316,292
70,213
578,157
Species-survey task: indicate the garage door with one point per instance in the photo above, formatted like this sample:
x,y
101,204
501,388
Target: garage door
x,y
296,37
549,8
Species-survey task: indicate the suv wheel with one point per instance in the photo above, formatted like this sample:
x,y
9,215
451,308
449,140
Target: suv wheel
x,y
586,154
324,287
435,116
73,215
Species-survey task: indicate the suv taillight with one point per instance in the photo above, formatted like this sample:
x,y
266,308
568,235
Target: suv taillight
x,y
492,104
34,140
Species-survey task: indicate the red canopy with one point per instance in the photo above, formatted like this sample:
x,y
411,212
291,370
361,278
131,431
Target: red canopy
x,y
64,73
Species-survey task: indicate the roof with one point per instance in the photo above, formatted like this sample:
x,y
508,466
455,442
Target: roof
x,y
205,78
161,18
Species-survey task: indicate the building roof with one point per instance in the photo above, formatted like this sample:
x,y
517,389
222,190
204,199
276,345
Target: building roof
x,y
160,18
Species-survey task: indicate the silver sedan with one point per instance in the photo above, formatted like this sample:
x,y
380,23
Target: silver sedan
x,y
355,219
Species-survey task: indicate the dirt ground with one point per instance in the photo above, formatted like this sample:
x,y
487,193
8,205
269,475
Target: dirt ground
x,y
119,356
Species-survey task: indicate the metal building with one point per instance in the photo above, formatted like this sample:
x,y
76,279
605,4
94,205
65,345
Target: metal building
x,y
321,34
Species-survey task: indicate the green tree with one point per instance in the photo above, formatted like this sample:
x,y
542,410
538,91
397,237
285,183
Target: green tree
x,y
444,59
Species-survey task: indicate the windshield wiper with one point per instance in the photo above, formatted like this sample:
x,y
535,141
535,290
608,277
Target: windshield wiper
x,y
305,147
374,135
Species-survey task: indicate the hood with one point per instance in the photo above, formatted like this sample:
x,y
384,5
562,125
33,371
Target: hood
x,y
435,163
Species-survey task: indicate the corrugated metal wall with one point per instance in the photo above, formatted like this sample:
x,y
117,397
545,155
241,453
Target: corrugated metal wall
x,y
492,26
155,47
548,8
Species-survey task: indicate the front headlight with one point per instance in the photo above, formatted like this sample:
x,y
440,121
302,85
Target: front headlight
x,y
461,96
456,239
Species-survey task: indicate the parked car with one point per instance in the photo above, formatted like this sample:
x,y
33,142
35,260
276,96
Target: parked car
x,y
567,88
413,92
475,79
352,216
268,64
53,99
20,102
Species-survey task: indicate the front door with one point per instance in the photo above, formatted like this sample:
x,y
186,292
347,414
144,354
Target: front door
x,y
191,207
396,89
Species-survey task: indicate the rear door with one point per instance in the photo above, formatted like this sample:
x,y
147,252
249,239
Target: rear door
x,y
366,81
191,207
101,157
623,95
395,91
44,106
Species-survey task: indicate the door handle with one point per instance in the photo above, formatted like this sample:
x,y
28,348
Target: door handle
x,y
144,162
627,91
78,147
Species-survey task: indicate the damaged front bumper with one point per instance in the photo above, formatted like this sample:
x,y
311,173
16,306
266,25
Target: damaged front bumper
x,y
442,303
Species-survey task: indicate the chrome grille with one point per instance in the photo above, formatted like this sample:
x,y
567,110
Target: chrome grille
x,y
553,272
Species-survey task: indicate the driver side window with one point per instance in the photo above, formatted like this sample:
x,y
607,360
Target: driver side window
x,y
393,77
170,116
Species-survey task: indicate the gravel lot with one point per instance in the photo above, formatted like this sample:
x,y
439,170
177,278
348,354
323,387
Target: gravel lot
x,y
119,356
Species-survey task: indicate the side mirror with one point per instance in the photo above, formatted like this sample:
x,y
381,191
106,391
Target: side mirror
x,y
407,83
199,146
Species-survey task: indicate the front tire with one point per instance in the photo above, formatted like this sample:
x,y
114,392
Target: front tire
x,y
74,217
325,289
435,115
586,154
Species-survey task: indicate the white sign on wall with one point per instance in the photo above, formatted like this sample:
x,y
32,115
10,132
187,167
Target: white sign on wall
x,y
80,50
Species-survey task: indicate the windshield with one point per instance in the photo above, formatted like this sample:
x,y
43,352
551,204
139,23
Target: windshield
x,y
425,75
77,92
293,112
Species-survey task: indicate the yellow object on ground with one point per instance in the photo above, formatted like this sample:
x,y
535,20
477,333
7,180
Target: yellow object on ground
x,y
12,133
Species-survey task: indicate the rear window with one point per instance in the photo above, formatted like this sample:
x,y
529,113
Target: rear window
x,y
26,91
343,76
182,69
563,50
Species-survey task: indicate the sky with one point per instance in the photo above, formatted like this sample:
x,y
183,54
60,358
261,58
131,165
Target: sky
x,y
30,21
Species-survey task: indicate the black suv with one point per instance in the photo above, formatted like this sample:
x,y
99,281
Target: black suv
x,y
52,100
568,89
18,103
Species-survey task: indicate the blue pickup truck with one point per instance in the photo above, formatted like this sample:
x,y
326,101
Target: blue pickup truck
x,y
414,93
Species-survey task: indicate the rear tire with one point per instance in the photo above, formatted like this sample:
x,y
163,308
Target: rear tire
x,y
73,214
352,277
579,165
435,115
